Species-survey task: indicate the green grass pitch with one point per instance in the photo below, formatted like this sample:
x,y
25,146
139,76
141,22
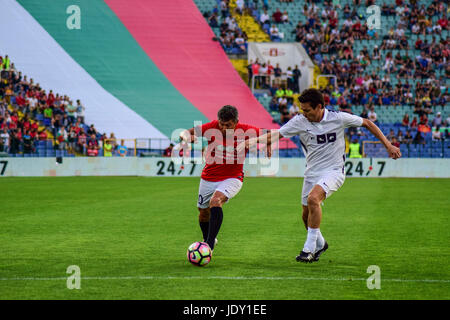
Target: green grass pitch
x,y
129,237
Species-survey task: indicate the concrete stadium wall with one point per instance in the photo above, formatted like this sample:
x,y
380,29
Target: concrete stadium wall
x,y
167,167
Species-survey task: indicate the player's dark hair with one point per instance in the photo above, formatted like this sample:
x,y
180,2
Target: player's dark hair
x,y
227,113
313,96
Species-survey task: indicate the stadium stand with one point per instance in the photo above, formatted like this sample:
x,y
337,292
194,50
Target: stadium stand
x,y
400,69
36,123
383,74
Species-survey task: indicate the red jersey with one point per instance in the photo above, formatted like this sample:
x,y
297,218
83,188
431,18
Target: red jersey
x,y
221,155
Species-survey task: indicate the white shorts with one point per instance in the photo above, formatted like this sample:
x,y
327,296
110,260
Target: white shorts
x,y
330,181
229,187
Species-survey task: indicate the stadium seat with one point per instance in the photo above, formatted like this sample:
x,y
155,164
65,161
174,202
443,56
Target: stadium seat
x,y
50,153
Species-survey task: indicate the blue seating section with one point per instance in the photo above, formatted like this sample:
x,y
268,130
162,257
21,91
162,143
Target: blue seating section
x,y
431,149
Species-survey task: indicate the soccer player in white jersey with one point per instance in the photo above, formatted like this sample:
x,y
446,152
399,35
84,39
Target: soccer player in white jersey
x,y
321,134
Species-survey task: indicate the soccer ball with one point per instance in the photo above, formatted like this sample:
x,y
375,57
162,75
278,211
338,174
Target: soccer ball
x,y
199,254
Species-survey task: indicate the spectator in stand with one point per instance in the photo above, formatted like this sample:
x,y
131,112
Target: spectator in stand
x,y
405,121
343,105
107,148
71,112
408,139
285,17
277,72
6,63
27,142
283,104
82,140
284,113
168,151
213,21
223,8
122,150
48,115
395,142
400,137
372,33
364,114
277,16
113,140
414,123
275,34
423,126
391,135
4,140
446,135
14,141
443,22
264,18
297,74
263,71
437,121
273,105
372,115
80,111
419,139
290,78
91,130
255,72
436,135
293,111
240,42
280,93
62,138
92,146
72,139
376,55
240,7
250,72
42,135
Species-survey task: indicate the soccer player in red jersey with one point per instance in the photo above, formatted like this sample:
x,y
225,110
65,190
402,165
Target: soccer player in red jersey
x,y
223,174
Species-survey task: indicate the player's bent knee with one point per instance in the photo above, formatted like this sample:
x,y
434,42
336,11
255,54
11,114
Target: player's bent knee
x,y
215,202
313,200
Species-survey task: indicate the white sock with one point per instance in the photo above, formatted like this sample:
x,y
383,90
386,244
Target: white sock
x,y
310,244
320,241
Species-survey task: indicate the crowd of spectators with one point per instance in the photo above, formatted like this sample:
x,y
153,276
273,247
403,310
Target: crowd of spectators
x,y
267,76
232,38
410,131
29,114
330,43
322,35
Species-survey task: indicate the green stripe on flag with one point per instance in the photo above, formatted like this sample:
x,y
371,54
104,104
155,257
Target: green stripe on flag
x,y
109,53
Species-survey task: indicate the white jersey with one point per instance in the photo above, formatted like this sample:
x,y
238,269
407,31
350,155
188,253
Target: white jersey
x,y
323,142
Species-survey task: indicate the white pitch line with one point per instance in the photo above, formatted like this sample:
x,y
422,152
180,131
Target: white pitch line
x,y
223,278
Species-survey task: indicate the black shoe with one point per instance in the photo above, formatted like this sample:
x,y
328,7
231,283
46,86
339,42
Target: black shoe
x,y
305,257
319,252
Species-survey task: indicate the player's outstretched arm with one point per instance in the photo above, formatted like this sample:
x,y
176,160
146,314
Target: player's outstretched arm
x,y
268,138
393,151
